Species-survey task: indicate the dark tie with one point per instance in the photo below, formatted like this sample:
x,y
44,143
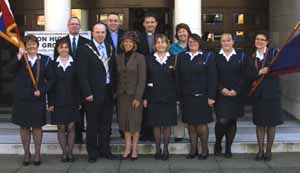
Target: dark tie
x,y
74,46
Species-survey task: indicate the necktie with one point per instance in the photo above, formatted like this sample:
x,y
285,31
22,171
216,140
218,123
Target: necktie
x,y
74,46
101,51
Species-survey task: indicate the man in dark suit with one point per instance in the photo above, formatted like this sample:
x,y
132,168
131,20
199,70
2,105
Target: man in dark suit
x,y
96,73
74,38
75,41
146,47
146,38
114,33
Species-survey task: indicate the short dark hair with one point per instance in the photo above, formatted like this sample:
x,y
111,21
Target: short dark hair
x,y
31,37
264,33
61,42
99,23
182,26
149,14
197,38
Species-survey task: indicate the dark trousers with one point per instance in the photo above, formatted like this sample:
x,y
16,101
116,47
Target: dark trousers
x,y
99,119
79,126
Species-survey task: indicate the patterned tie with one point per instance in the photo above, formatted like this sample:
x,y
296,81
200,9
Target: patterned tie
x,y
74,46
101,51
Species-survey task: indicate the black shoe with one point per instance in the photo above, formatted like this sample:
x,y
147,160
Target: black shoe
x,y
37,163
268,157
217,150
71,158
157,155
259,156
64,158
178,139
165,156
228,154
26,163
203,156
92,159
191,155
110,156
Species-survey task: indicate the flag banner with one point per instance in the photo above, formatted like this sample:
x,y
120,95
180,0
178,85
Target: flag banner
x,y
8,26
289,58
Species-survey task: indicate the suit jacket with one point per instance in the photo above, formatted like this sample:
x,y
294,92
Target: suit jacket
x,y
108,39
81,41
91,71
131,77
143,46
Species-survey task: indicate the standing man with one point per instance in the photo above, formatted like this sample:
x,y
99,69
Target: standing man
x,y
114,33
74,38
146,47
75,41
96,73
146,44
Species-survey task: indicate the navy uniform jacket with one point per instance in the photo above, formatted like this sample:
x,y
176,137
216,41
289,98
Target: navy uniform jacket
x,y
161,81
197,77
65,91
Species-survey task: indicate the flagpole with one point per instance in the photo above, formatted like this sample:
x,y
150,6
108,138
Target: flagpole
x,y
29,69
257,82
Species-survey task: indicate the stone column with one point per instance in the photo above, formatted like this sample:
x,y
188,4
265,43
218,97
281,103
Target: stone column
x,y
188,12
57,13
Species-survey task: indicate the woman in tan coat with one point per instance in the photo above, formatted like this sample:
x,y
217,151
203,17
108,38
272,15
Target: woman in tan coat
x,y
131,75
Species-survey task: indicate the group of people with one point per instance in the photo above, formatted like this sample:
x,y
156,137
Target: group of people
x,y
146,78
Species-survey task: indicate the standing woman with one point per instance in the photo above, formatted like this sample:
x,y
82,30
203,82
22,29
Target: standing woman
x,y
64,99
197,84
160,95
29,109
230,84
131,77
267,113
182,34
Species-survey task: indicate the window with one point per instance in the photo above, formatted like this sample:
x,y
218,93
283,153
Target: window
x,y
212,36
40,21
239,36
239,19
213,18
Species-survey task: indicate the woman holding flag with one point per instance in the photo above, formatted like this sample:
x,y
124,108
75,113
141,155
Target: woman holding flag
x,y
267,112
29,109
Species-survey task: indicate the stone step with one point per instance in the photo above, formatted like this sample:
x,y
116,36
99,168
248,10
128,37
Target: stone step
x,y
287,140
